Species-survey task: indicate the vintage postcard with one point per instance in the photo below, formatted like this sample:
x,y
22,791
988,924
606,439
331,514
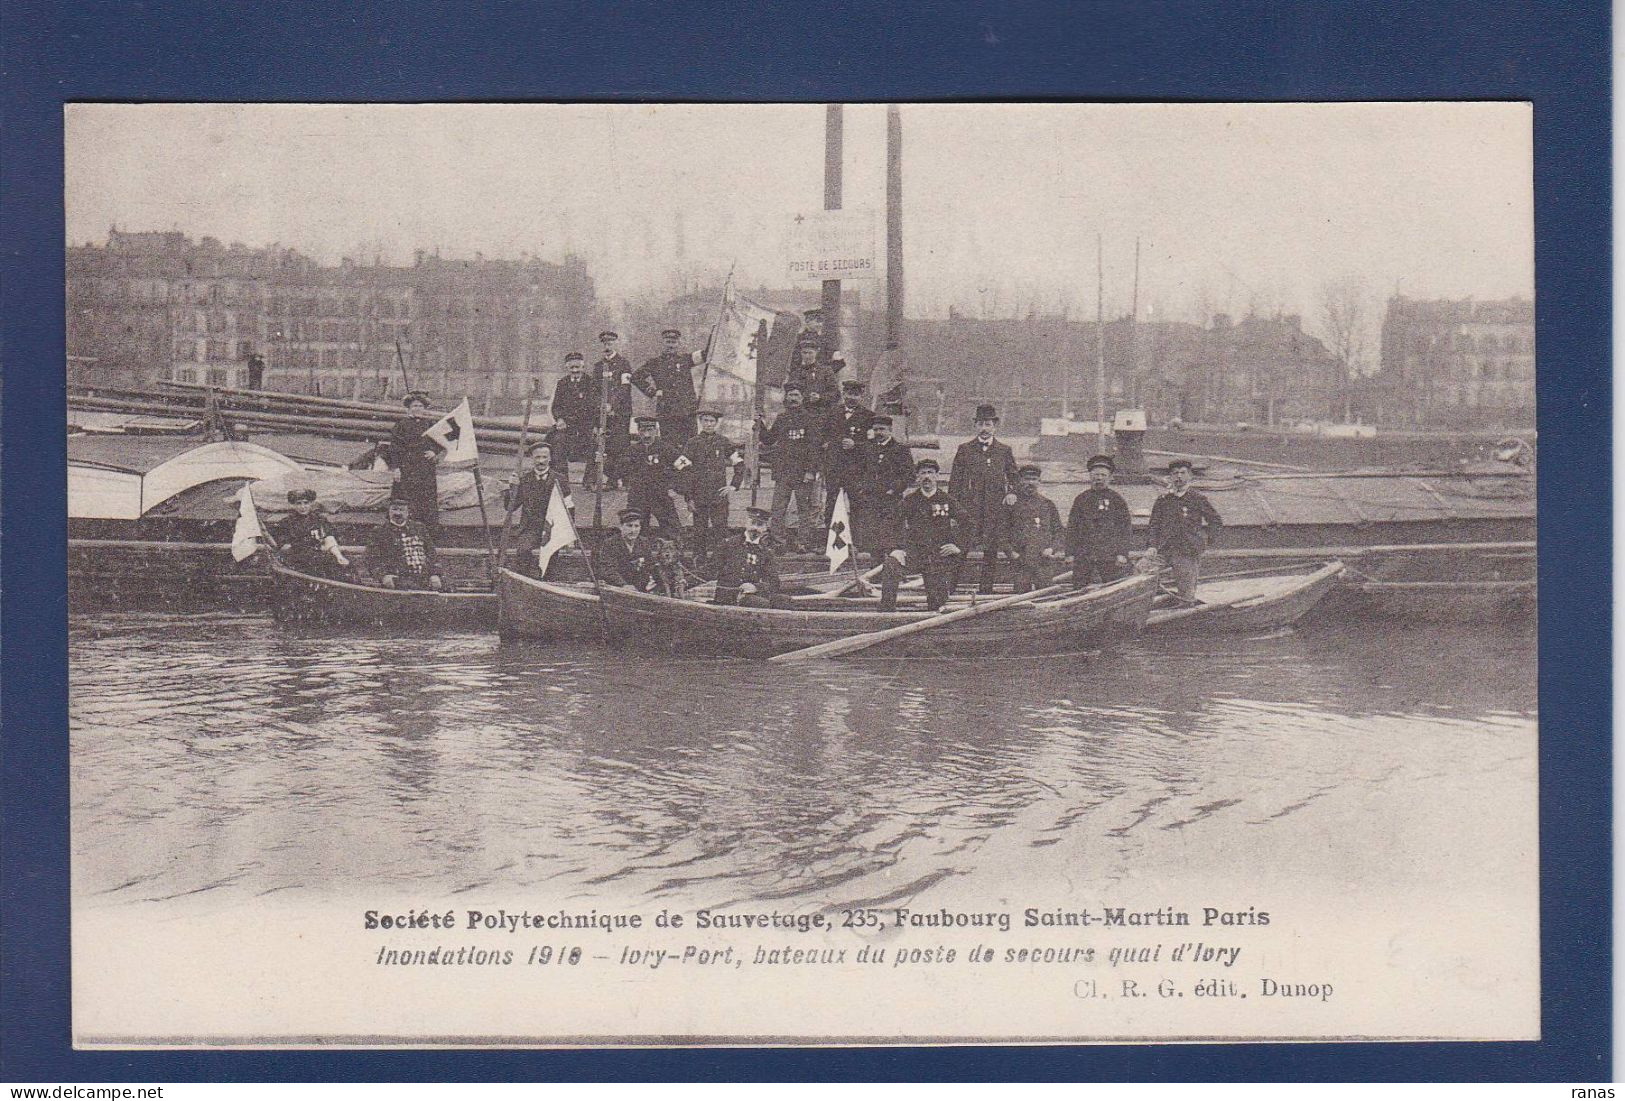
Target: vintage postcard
x,y
639,574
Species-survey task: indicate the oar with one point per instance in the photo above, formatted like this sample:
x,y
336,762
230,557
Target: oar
x,y
853,643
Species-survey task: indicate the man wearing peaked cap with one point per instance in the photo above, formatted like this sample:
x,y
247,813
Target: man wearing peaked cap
x,y
1036,542
929,521
575,419
747,571
1181,522
714,466
531,495
845,428
627,557
885,470
651,476
612,383
1098,529
400,553
983,485
792,443
668,378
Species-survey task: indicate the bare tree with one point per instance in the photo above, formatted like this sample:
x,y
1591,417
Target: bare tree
x,y
1345,318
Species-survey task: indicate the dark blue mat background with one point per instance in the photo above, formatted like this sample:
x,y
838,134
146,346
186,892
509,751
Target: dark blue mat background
x,y
1555,55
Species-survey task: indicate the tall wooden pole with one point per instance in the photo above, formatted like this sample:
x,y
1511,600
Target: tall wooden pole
x,y
894,227
832,201
1100,346
1134,335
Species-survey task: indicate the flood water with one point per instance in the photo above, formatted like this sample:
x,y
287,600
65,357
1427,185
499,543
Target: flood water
x,y
223,757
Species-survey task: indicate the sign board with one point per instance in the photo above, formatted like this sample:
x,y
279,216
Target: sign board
x,y
832,244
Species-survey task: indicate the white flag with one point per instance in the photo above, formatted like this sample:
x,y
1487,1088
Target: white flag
x,y
455,432
838,546
732,353
561,532
245,537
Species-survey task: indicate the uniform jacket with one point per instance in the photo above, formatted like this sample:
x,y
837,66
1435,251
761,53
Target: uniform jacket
x,y
406,549
818,386
1180,523
980,479
650,464
844,422
575,404
710,457
795,441
615,372
533,494
630,567
885,472
928,522
1035,525
671,375
740,561
1098,526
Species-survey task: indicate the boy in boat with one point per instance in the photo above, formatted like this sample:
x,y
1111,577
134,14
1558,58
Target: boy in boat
x,y
885,471
845,427
983,486
306,540
412,456
575,419
628,558
530,494
650,471
1035,533
929,519
793,445
400,553
1181,521
707,459
612,382
747,573
669,379
1098,528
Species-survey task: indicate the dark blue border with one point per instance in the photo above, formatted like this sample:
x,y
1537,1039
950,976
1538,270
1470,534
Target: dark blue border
x,y
1554,55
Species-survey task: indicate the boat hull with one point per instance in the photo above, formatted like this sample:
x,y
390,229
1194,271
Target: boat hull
x,y
301,598
1070,624
1250,605
532,609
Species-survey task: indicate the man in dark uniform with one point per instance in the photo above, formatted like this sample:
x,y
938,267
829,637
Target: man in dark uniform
x,y
575,419
1036,540
412,456
746,570
1098,528
845,427
929,519
816,379
400,553
885,471
707,461
1180,522
628,557
305,540
793,449
983,485
530,494
612,376
650,477
669,379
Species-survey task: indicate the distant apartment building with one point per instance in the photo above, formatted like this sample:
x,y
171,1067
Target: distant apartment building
x,y
151,307
1458,363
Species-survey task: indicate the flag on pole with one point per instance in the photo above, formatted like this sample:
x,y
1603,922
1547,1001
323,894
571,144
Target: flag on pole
x,y
561,531
245,537
455,432
732,349
838,546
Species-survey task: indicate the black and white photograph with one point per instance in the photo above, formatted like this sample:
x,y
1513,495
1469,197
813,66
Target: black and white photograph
x,y
550,575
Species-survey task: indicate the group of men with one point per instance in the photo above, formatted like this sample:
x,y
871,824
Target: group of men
x,y
400,551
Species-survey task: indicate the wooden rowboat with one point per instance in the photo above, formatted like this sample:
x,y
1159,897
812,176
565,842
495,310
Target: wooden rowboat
x,y
1243,605
1068,623
528,608
305,598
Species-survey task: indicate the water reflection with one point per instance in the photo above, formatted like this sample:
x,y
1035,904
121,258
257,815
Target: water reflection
x,y
221,755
